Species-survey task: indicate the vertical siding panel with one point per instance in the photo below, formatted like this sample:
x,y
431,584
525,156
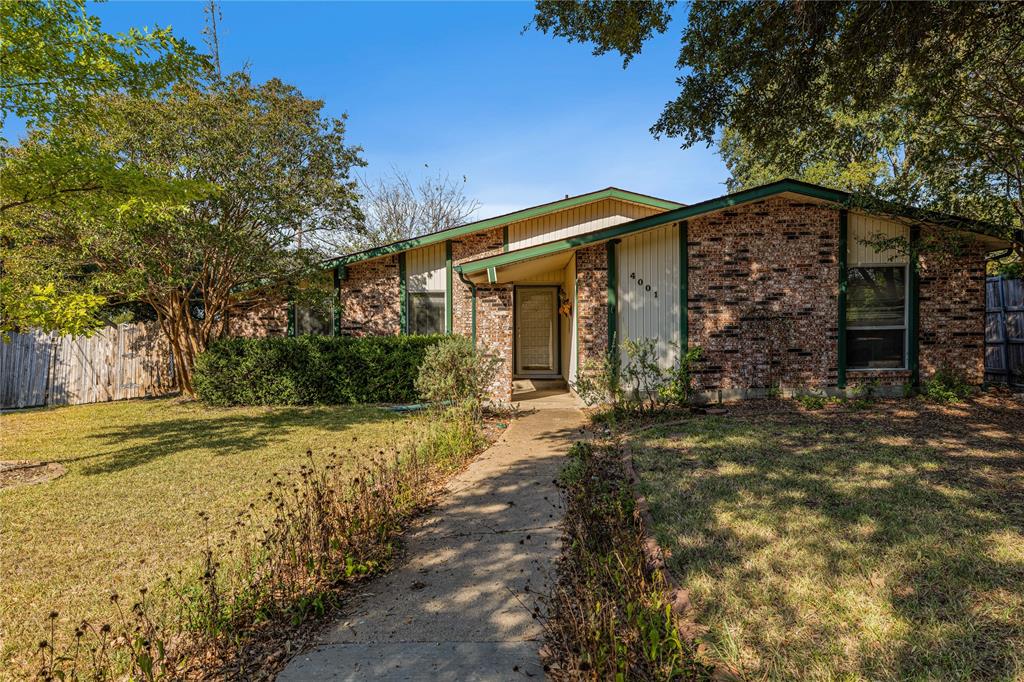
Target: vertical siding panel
x,y
653,256
577,220
425,268
862,226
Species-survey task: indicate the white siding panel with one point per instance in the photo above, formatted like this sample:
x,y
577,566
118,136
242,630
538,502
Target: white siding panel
x,y
862,226
424,268
647,265
573,221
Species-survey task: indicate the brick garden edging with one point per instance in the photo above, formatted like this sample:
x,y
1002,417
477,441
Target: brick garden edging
x,y
656,556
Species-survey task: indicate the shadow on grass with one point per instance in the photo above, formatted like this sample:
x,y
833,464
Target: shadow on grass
x,y
130,446
906,520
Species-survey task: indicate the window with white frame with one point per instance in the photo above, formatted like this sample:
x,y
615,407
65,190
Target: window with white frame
x,y
876,317
426,312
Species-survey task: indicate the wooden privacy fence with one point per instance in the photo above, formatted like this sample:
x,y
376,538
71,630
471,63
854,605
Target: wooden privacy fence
x,y
1004,331
126,361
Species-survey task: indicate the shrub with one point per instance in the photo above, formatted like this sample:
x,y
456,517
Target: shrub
x,y
310,370
454,373
812,402
678,386
946,387
639,385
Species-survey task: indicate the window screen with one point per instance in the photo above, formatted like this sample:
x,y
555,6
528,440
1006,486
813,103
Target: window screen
x,y
426,313
876,317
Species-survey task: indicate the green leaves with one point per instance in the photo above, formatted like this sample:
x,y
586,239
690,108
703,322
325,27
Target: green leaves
x,y
56,57
43,308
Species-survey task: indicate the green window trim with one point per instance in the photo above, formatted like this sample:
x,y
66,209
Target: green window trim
x,y
504,239
448,312
841,303
291,318
403,297
336,310
914,305
684,287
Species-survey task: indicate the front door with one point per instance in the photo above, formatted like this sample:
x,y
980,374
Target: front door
x,y
536,324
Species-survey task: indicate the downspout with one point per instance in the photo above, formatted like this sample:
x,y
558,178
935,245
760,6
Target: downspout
x,y
472,287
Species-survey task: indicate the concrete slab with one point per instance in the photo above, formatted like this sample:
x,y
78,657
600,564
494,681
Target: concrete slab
x,y
460,606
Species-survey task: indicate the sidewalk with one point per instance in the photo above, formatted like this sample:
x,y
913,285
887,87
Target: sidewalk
x,y
460,606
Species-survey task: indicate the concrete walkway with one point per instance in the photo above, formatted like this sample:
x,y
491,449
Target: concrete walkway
x,y
459,607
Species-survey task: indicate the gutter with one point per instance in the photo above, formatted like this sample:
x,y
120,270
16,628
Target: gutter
x,y
472,288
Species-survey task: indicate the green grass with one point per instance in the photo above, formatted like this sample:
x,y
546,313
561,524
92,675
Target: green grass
x,y
126,513
886,544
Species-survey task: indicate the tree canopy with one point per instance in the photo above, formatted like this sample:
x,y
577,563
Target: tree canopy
x,y
923,101
246,171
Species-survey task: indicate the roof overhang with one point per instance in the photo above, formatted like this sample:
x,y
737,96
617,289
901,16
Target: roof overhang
x,y
505,219
492,267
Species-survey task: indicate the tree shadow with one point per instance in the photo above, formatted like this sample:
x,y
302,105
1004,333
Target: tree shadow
x,y
130,446
906,518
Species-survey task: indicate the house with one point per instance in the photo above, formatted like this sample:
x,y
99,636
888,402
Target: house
x,y
775,283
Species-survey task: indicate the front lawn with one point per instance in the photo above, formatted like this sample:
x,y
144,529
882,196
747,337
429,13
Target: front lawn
x,y
126,512
886,543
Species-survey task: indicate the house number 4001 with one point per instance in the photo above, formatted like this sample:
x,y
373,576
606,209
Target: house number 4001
x,y
640,283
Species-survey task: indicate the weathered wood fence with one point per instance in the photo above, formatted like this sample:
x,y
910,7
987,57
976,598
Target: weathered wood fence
x,y
1004,331
126,361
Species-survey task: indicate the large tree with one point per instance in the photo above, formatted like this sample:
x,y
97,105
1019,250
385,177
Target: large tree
x,y
935,89
54,60
395,207
252,166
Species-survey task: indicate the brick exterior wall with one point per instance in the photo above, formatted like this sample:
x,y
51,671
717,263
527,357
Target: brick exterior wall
x,y
763,288
952,314
592,305
471,247
257,324
370,298
763,285
494,334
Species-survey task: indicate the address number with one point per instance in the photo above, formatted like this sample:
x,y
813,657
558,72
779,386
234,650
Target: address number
x,y
640,283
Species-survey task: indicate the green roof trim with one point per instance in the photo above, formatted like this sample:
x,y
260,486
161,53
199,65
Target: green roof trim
x,y
516,216
686,212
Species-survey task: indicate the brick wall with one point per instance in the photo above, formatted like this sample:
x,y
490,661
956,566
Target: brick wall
x,y
592,294
270,322
494,334
952,314
370,298
471,247
763,284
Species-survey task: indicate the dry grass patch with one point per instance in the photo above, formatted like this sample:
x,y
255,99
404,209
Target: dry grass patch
x,y
878,544
126,513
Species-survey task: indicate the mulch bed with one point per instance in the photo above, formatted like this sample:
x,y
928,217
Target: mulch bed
x,y
23,472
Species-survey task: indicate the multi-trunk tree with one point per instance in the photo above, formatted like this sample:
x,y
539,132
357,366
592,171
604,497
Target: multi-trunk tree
x,y
230,173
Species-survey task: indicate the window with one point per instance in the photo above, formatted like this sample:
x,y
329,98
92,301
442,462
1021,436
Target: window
x,y
876,317
314,320
426,312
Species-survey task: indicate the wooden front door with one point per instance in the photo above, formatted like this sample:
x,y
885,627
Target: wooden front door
x,y
536,328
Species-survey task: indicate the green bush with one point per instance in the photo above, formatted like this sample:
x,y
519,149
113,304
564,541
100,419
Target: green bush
x,y
311,370
454,373
946,387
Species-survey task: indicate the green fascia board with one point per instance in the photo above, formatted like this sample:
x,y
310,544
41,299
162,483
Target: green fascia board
x,y
516,216
684,213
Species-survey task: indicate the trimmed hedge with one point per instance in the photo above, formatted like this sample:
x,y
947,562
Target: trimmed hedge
x,y
311,370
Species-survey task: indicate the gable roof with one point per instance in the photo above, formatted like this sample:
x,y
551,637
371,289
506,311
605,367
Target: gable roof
x,y
781,187
505,219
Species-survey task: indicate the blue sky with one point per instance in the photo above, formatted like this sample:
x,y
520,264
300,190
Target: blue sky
x,y
526,117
